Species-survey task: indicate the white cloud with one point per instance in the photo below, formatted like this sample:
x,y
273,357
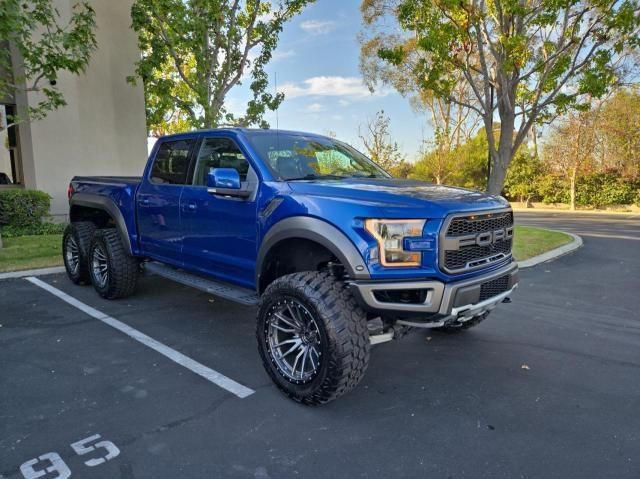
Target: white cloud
x,y
315,107
282,54
351,87
318,27
343,102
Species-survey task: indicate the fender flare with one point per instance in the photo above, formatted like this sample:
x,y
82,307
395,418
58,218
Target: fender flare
x,y
319,231
107,205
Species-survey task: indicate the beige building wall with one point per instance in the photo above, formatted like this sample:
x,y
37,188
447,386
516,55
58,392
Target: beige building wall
x,y
102,129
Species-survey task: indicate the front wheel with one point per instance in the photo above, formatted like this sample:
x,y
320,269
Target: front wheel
x,y
113,271
312,337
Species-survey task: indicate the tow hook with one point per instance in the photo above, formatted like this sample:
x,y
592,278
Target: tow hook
x,y
377,334
506,300
382,338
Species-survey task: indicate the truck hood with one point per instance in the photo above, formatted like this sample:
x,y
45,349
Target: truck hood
x,y
394,193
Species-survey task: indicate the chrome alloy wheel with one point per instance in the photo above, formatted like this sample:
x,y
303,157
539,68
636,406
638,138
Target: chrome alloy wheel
x,y
100,266
72,254
293,340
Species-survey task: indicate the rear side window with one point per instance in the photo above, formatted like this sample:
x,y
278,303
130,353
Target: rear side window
x,y
172,162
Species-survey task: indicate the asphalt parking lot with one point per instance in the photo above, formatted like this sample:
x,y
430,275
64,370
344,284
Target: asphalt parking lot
x,y
548,386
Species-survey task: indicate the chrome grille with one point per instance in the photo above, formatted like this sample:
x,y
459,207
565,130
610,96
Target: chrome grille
x,y
494,287
469,242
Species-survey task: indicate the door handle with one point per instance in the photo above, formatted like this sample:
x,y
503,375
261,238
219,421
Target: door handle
x,y
191,207
145,202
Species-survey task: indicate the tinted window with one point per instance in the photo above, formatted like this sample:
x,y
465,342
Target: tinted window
x,y
172,162
295,156
219,153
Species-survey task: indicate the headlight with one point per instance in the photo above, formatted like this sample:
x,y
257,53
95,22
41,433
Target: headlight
x,y
390,235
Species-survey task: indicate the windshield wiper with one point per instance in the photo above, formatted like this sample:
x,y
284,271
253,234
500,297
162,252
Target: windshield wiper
x,y
316,177
370,175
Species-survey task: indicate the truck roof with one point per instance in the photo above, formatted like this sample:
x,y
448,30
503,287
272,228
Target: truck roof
x,y
250,131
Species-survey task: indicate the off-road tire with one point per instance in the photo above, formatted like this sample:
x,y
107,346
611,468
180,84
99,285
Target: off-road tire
x,y
344,336
79,233
458,328
122,268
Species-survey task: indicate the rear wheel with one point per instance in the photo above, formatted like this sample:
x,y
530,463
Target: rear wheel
x,y
75,246
312,337
113,271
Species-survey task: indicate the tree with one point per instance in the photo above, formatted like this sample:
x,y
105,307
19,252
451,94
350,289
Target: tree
x,y
44,46
453,123
462,166
378,144
619,132
523,176
401,170
571,148
529,60
438,164
195,51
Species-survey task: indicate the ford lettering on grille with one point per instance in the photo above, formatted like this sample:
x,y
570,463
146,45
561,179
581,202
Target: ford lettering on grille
x,y
483,239
469,242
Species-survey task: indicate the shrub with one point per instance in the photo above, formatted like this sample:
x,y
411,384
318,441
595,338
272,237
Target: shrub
x,y
605,188
24,212
553,189
44,228
24,208
522,178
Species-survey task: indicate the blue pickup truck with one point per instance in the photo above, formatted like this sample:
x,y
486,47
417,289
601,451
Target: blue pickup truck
x,y
336,253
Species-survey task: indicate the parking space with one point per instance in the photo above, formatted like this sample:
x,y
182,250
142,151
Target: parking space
x,y
548,386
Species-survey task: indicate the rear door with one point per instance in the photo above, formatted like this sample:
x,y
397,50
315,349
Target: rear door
x,y
219,231
158,201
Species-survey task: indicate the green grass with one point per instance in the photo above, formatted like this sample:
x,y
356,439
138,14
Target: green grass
x,y
28,252
530,241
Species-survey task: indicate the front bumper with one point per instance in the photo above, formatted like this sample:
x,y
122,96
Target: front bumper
x,y
460,300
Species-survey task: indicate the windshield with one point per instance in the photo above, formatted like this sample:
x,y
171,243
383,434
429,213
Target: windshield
x,y
299,157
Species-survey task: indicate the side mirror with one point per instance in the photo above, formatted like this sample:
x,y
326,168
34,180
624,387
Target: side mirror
x,y
224,178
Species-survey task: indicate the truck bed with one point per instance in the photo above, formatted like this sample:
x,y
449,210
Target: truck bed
x,y
116,195
119,180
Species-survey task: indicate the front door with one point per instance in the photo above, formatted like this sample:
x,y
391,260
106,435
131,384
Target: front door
x,y
158,202
220,232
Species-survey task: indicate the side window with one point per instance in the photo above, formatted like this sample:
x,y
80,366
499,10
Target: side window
x,y
219,153
171,162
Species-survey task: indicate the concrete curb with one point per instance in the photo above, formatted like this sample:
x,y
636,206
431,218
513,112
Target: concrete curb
x,y
554,253
32,272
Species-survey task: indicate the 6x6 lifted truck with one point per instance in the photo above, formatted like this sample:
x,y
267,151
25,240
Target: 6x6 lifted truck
x,y
337,254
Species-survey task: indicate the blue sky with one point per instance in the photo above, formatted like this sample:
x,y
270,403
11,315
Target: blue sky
x,y
316,64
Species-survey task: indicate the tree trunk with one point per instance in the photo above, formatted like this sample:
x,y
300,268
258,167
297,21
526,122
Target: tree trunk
x,y
498,170
501,159
534,136
0,239
573,190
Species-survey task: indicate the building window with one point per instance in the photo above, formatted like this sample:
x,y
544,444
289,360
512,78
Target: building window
x,y
10,164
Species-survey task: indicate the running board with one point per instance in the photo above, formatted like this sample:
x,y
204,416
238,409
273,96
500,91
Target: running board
x,y
231,292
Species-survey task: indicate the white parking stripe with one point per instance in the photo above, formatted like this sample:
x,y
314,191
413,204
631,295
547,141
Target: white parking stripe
x,y
200,369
